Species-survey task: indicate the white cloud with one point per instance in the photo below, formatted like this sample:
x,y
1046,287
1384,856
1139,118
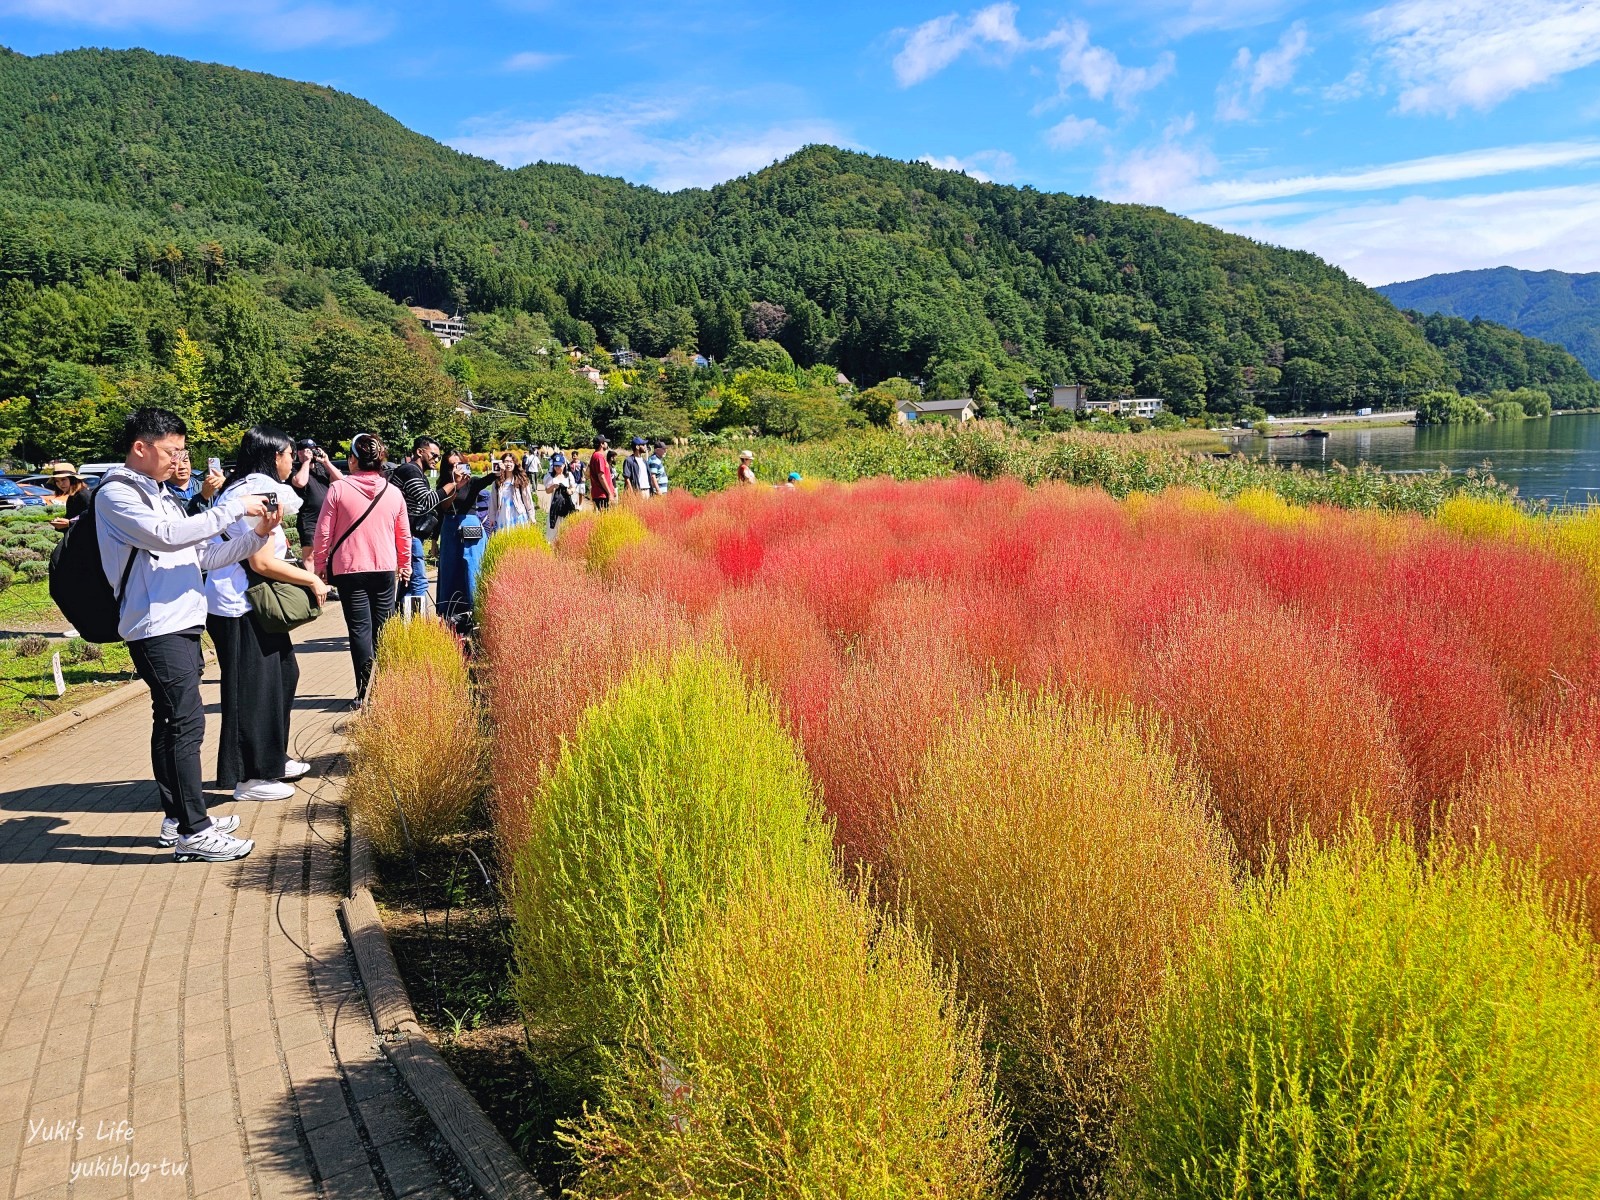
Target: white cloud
x,y
985,166
1381,242
1253,76
1097,70
1184,17
273,24
1166,173
636,142
934,45
532,60
1441,168
1073,131
1454,54
992,34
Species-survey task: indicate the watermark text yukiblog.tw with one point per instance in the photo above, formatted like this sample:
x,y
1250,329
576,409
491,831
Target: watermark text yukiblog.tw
x,y
116,1135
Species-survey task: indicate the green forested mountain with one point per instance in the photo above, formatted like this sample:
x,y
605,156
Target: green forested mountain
x,y
1484,357
152,208
1553,305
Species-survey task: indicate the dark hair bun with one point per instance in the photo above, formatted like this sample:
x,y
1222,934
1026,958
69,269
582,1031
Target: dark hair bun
x,y
369,451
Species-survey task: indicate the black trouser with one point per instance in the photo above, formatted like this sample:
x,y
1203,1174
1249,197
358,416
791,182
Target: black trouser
x,y
259,678
171,663
368,601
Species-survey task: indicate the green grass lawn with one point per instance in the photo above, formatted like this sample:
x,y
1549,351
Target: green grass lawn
x,y
27,607
27,686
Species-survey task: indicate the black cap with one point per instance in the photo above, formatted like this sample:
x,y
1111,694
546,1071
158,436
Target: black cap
x,y
306,444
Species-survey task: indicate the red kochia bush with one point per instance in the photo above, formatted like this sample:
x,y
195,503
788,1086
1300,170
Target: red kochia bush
x,y
1526,611
1286,725
555,640
1539,799
783,645
1449,708
868,750
656,567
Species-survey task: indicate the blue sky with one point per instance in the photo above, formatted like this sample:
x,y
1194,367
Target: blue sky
x,y
1394,138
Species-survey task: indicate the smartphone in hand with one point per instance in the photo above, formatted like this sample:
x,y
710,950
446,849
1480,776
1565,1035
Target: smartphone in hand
x,y
213,465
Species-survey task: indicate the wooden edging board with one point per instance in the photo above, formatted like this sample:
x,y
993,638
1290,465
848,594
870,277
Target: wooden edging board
x,y
26,739
486,1156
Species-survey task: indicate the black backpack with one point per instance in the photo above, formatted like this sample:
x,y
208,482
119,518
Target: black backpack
x,y
78,582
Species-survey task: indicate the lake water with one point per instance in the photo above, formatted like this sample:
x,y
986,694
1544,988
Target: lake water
x,y
1552,458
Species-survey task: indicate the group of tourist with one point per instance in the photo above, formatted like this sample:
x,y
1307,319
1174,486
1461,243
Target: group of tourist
x,y
183,553
183,557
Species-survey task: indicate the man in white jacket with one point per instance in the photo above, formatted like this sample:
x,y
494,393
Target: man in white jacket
x,y
164,612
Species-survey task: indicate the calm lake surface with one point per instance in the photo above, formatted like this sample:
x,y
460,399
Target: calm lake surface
x,y
1551,458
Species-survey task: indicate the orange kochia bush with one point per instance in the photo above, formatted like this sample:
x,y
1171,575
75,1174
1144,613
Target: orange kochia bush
x,y
1307,663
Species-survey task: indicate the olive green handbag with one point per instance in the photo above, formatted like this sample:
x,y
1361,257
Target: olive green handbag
x,y
278,606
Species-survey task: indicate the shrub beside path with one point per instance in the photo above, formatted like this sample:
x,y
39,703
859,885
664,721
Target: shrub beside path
x,y
210,1011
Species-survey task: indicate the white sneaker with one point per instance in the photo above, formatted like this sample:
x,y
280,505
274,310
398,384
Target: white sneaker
x,y
211,846
294,768
169,828
263,789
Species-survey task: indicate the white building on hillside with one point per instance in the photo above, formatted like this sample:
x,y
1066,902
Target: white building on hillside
x,y
1070,396
449,330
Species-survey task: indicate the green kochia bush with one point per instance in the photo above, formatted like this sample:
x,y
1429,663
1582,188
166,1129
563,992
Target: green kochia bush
x,y
674,790
802,1046
1370,1026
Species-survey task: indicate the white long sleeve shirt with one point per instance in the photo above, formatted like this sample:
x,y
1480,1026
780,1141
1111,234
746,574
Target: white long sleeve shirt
x,y
166,587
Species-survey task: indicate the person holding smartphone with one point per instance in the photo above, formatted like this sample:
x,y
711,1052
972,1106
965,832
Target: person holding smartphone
x,y
196,496
314,473
260,673
156,558
455,576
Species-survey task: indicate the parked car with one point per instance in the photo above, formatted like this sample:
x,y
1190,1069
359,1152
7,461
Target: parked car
x,y
96,470
14,496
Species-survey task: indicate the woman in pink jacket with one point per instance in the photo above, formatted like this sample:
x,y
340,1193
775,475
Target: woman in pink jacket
x,y
363,547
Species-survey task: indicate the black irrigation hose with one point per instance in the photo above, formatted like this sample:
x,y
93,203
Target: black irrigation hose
x,y
416,879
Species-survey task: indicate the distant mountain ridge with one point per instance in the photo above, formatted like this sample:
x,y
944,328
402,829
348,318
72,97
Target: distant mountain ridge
x,y
136,166
1556,306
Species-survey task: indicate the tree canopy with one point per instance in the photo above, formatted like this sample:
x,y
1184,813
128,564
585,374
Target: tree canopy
x,y
240,242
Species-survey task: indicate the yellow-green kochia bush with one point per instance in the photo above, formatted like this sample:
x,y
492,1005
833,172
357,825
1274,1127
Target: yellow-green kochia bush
x,y
1060,857
676,789
802,1046
611,532
417,749
1367,1025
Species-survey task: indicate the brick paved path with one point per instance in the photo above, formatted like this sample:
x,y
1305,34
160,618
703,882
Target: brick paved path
x,y
211,1009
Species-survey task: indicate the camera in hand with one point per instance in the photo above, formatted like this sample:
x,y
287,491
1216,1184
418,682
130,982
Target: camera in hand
x,y
270,503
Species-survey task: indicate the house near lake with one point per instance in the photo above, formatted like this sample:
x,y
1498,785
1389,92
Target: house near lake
x,y
1069,396
962,408
1074,397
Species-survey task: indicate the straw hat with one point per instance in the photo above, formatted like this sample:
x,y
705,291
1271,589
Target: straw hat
x,y
61,468
747,454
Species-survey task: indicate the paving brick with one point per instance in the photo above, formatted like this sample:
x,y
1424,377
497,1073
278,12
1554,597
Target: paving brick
x,y
43,1165
123,955
216,1163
